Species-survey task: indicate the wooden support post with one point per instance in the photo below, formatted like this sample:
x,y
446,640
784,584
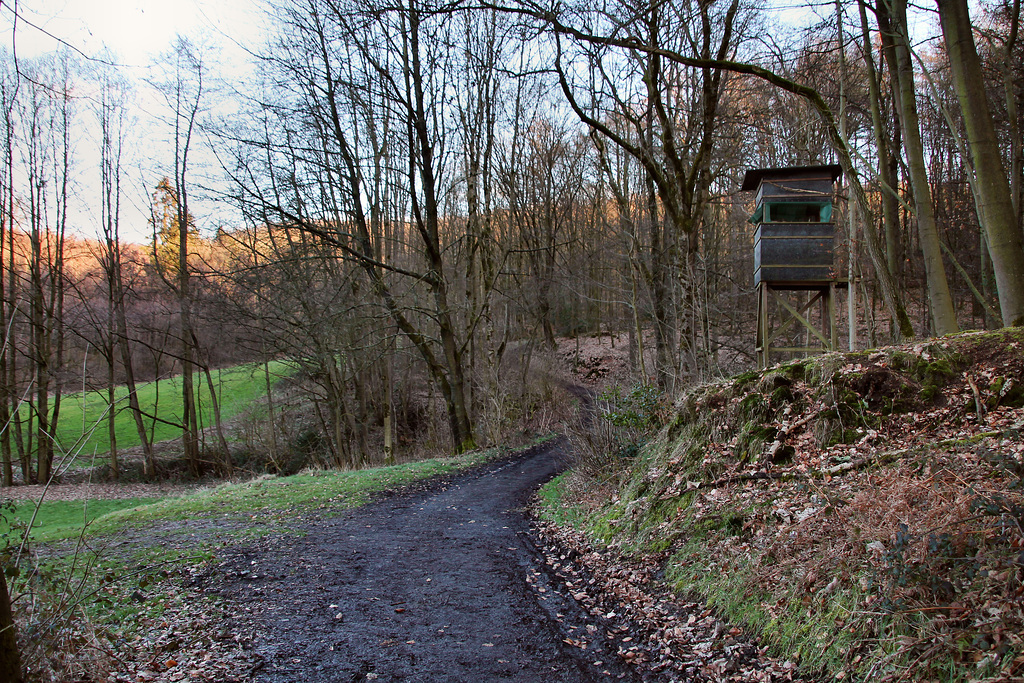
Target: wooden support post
x,y
833,336
761,344
825,330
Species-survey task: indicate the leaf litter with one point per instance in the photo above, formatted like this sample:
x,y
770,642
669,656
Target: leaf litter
x,y
860,513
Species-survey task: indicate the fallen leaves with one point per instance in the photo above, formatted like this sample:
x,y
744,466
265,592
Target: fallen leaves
x,y
890,480
195,629
647,626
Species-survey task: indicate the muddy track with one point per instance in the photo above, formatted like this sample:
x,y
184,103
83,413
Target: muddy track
x,y
440,582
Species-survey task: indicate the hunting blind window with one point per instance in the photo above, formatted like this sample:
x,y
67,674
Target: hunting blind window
x,y
792,212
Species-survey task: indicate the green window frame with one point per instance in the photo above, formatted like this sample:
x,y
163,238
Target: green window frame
x,y
792,212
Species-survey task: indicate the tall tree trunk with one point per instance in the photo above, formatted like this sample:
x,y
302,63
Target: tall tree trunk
x,y
189,416
389,404
1010,95
108,352
218,426
109,261
994,203
15,396
124,345
892,19
851,220
342,423
454,387
113,139
58,282
271,415
40,348
658,286
185,105
7,390
887,169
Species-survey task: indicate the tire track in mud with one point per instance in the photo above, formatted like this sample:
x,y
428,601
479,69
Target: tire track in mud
x,y
439,582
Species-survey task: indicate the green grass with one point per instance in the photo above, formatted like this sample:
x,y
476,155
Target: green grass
x,y
267,499
820,639
552,506
83,428
273,496
57,520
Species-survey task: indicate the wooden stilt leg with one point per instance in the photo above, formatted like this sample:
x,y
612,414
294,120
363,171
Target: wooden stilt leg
x,y
832,315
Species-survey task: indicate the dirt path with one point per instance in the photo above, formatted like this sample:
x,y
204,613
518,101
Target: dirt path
x,y
436,584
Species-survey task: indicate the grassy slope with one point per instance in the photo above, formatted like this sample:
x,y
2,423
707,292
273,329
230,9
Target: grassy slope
x,y
83,418
853,510
61,519
272,496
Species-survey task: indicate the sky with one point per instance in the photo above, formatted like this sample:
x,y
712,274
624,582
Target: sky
x,y
133,34
137,30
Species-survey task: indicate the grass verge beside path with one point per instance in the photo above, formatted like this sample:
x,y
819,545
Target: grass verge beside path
x,y
266,497
272,496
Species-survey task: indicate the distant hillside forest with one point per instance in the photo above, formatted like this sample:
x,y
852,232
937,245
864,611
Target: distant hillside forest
x,y
423,200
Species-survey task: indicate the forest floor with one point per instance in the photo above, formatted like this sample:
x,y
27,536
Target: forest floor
x,y
862,513
449,579
774,497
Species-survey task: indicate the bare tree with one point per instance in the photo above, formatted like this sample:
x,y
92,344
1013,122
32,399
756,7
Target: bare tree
x,y
887,162
112,126
892,22
346,68
8,305
46,118
995,206
184,94
613,35
666,115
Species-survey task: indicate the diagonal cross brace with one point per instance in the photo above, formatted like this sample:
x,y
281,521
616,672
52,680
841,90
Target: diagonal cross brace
x,y
797,315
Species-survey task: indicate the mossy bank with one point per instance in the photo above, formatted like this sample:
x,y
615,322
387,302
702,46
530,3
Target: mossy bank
x,y
861,513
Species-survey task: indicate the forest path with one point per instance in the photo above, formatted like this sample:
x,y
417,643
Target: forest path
x,y
440,582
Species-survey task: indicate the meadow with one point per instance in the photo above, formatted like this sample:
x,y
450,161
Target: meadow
x,y
82,429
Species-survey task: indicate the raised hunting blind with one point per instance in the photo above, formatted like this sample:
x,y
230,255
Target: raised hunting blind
x,y
794,254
